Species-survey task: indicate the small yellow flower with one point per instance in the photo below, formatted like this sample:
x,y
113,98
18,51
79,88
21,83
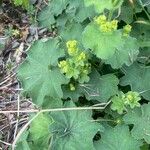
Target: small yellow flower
x,y
62,63
65,69
71,44
130,97
82,56
64,66
76,65
72,87
101,19
72,51
127,30
118,121
114,24
106,27
72,47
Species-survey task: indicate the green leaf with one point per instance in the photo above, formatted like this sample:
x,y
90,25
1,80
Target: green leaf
x,y
116,4
18,2
40,127
125,55
126,12
143,2
39,131
137,76
72,31
73,130
84,12
50,102
24,3
65,10
141,30
73,95
144,55
100,46
99,88
103,86
22,143
39,73
100,5
23,146
140,118
47,16
117,138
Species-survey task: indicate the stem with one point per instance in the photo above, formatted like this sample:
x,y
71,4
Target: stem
x,y
110,14
147,14
42,111
53,110
107,120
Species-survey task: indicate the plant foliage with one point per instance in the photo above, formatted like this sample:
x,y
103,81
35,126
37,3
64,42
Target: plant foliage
x,y
24,3
40,72
117,138
73,130
135,117
139,73
99,61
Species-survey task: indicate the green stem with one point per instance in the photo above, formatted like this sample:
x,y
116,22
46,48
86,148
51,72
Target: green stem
x,y
110,15
147,14
107,120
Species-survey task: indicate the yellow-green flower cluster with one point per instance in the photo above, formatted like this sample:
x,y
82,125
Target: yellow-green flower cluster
x,y
126,30
64,66
76,65
122,101
72,87
72,47
106,26
132,99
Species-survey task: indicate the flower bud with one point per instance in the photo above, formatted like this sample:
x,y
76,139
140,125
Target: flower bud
x,y
126,30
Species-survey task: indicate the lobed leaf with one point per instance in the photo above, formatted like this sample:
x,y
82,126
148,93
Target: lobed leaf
x,y
39,73
99,88
117,138
64,10
137,76
103,45
100,5
73,130
140,118
39,132
125,55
